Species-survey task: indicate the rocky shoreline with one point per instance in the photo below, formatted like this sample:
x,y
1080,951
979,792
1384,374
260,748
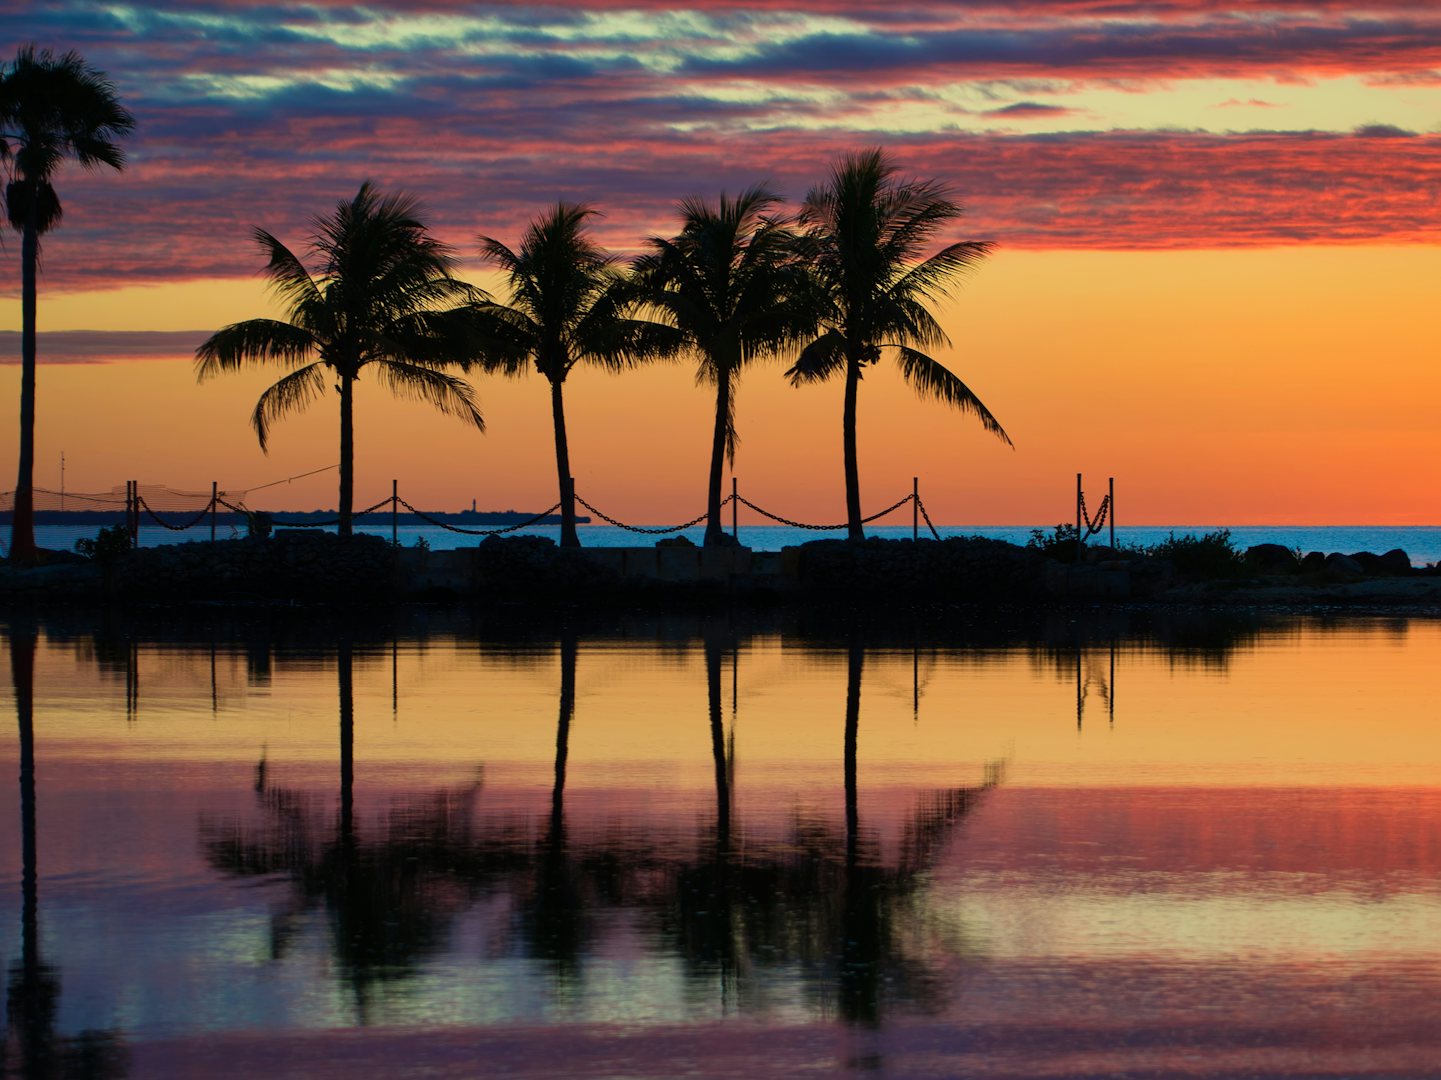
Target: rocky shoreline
x,y
320,569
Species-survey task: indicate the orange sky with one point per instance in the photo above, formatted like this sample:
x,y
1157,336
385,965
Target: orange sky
x,y
1264,385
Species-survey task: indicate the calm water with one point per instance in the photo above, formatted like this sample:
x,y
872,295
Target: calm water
x,y
682,848
1422,543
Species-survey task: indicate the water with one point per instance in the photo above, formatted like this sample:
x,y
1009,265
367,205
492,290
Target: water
x,y
1422,543
685,847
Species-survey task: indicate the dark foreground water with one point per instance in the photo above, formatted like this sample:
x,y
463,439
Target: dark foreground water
x,y
690,848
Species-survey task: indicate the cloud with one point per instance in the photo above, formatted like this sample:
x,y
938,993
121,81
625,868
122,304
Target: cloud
x,y
1253,103
1031,108
103,346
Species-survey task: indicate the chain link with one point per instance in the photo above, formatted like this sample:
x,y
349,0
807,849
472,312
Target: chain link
x,y
196,520
1093,527
649,532
922,508
477,532
821,528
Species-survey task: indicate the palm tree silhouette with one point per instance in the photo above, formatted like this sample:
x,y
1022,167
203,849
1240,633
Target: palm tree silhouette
x,y
864,234
732,286
385,298
568,305
51,108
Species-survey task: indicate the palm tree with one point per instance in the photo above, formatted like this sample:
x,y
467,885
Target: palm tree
x,y
51,108
731,284
864,234
568,306
385,298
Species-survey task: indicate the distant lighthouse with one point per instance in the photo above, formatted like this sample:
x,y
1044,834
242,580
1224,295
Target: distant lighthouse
x,y
472,506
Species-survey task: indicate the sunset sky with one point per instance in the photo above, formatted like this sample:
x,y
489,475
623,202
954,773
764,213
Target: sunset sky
x,y
1217,274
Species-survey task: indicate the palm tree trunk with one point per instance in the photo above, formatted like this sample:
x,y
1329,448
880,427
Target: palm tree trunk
x,y
22,522
347,454
855,531
713,528
568,537
855,658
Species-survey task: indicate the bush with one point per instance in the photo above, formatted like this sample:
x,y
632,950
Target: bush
x,y
107,545
1212,555
1060,545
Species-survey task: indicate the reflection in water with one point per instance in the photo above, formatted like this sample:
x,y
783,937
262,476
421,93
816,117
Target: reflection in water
x,y
817,904
602,874
33,1048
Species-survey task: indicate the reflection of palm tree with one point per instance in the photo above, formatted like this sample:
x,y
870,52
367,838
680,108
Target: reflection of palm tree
x,y
380,303
566,308
731,285
32,997
554,919
51,108
865,232
380,893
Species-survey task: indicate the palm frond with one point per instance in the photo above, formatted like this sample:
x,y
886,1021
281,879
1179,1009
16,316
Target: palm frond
x,y
256,341
451,395
290,394
930,378
818,361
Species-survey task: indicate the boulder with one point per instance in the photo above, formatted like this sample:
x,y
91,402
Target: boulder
x,y
1313,562
1343,566
1272,559
1397,563
1370,562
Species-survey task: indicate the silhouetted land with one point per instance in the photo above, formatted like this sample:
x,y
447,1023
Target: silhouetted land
x,y
319,569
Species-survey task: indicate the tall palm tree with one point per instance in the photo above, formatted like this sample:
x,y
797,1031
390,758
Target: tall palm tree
x,y
864,234
385,299
51,108
569,305
731,284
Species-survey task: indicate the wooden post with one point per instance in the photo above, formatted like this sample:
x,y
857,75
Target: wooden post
x,y
1080,541
915,508
1112,497
132,503
394,513
214,505
735,510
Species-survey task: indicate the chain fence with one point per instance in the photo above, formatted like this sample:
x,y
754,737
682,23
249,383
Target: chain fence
x,y
1093,526
160,504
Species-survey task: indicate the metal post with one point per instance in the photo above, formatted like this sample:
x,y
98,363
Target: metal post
x,y
1112,497
735,510
214,505
915,508
394,507
1079,540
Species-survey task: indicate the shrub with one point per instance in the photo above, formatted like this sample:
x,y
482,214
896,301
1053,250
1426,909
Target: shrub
x,y
106,546
1060,545
1212,555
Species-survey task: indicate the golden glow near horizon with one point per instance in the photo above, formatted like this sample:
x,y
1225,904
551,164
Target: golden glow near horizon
x,y
1282,385
1310,708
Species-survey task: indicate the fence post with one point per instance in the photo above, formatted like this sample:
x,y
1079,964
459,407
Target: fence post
x,y
394,513
915,508
133,504
735,510
214,506
1112,496
1080,541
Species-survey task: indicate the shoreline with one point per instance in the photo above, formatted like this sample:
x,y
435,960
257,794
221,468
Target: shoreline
x,y
319,571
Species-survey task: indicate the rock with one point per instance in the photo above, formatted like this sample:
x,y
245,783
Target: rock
x,y
1314,562
1369,561
675,542
1397,563
1272,559
1343,566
